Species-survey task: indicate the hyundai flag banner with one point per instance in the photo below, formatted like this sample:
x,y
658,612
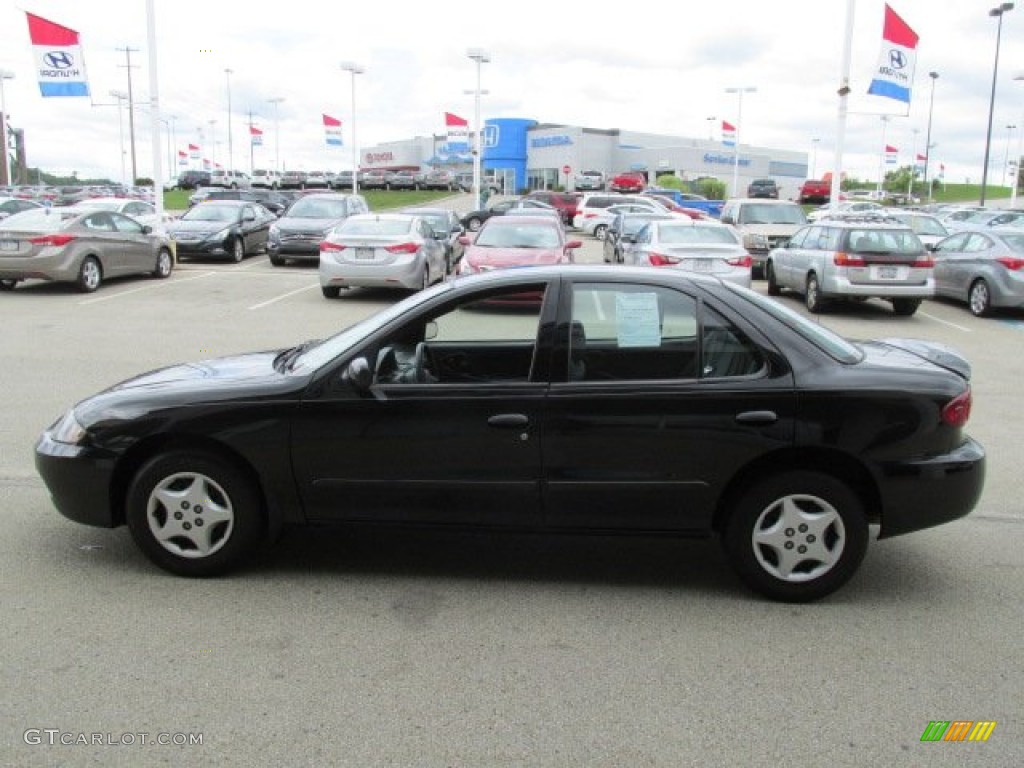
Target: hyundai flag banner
x,y
332,130
894,73
458,133
193,150
182,157
891,154
728,134
920,161
257,136
60,66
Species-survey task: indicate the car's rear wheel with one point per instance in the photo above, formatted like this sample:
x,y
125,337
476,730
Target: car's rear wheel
x,y
7,284
164,264
979,298
237,250
193,514
600,231
905,307
812,295
330,291
797,536
90,275
773,284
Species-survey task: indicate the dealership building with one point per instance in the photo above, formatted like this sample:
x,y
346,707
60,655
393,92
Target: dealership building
x,y
527,154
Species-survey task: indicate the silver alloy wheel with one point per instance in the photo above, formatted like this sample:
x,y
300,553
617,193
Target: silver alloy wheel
x,y
238,250
163,264
978,298
90,275
812,297
190,515
798,538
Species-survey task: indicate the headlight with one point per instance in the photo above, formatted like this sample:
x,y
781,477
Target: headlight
x,y
67,430
222,235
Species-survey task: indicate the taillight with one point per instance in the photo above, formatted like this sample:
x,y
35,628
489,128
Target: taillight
x,y
741,261
958,410
590,215
327,245
52,240
1011,262
842,259
661,260
402,248
924,261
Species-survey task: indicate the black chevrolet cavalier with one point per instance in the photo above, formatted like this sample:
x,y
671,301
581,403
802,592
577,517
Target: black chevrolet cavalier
x,y
561,399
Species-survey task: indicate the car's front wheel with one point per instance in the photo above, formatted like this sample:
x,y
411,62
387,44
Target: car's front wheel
x,y
193,513
330,291
164,264
237,250
797,536
90,275
979,298
773,284
600,231
812,295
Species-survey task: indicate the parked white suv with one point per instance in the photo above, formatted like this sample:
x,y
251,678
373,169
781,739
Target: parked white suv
x,y
230,179
262,177
593,205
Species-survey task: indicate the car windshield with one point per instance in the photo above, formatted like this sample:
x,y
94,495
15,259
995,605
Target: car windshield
x,y
633,224
772,214
387,227
683,234
926,225
437,221
211,212
317,208
38,220
517,236
826,340
99,205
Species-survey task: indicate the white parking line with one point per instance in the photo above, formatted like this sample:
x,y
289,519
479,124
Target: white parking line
x,y
140,289
284,296
945,322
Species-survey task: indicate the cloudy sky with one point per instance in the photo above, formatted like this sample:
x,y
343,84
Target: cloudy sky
x,y
642,67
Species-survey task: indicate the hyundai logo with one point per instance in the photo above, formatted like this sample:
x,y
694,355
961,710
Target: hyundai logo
x,y
897,60
490,136
58,60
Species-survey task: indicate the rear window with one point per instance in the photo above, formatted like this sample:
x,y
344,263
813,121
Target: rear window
x,y
375,227
883,241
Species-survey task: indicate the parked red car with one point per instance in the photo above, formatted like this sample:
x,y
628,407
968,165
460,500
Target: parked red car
x,y
630,181
516,241
816,191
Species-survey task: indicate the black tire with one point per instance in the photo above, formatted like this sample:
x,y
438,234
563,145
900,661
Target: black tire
x,y
979,298
194,514
797,536
237,250
773,285
473,224
905,307
601,231
330,291
7,284
164,264
90,275
812,295
276,261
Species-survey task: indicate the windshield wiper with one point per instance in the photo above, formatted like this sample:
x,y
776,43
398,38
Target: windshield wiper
x,y
286,359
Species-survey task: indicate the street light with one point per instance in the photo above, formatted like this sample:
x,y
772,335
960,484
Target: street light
x,y
1006,157
276,101
5,74
213,144
121,96
480,56
928,136
231,151
1020,151
998,12
354,69
814,158
739,91
711,127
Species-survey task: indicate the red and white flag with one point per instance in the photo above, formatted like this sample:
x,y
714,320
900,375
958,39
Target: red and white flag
x,y
256,135
728,134
60,65
891,155
193,150
894,73
332,130
458,133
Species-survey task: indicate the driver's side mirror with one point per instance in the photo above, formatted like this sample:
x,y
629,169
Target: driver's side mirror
x,y
358,374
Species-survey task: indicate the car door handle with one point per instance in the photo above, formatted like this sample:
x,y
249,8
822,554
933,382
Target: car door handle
x,y
757,418
508,420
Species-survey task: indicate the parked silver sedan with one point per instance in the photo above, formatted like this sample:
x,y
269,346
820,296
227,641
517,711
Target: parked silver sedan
x,y
381,251
705,247
983,268
79,246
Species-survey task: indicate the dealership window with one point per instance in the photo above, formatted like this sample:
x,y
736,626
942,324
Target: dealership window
x,y
544,178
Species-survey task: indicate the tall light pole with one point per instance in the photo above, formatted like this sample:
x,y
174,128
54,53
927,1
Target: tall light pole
x,y
814,158
711,127
480,56
354,69
5,74
1006,157
882,156
928,135
121,96
231,151
913,163
276,101
1017,159
739,91
998,12
213,144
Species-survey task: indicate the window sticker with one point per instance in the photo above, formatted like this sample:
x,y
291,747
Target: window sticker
x,y
638,320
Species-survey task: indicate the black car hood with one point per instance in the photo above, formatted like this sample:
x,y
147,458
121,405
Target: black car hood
x,y
318,226
931,351
184,227
250,376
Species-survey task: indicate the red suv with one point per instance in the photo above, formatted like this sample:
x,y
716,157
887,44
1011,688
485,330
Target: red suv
x,y
564,202
630,181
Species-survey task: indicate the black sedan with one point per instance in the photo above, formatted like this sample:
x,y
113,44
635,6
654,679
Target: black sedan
x,y
231,229
557,399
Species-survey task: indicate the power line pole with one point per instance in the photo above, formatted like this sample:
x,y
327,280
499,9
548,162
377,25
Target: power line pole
x,y
131,108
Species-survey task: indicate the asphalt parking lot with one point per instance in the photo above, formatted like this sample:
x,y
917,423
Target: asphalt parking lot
x,y
376,648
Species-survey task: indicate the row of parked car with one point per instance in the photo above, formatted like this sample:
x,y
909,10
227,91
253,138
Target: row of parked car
x,y
369,179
